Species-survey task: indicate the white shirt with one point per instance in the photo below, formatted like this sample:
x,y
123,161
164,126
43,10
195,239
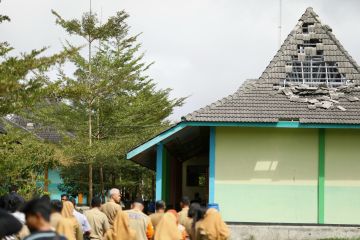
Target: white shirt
x,y
19,216
85,225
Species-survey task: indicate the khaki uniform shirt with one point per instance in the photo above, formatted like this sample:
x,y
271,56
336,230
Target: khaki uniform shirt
x,y
110,209
155,218
98,221
55,219
183,215
141,223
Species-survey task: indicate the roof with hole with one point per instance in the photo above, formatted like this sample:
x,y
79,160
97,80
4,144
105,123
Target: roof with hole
x,y
329,95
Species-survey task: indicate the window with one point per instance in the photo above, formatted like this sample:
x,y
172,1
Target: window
x,y
314,72
196,176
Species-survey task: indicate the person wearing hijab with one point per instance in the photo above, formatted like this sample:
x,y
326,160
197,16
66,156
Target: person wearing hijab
x,y
168,228
85,225
69,226
9,225
14,202
121,229
211,227
195,214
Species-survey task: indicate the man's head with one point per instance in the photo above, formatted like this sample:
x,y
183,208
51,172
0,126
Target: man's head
x,y
64,197
96,202
138,204
114,195
185,202
46,197
14,202
37,214
56,206
13,188
160,206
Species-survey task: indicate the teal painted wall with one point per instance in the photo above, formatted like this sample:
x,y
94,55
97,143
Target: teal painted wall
x,y
342,176
55,181
266,174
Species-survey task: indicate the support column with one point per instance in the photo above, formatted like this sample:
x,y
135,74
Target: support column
x,y
212,165
321,176
159,165
165,176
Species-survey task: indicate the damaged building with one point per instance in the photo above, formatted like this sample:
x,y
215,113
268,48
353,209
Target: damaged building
x,y
284,148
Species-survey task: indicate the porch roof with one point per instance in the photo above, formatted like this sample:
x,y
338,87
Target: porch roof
x,y
145,153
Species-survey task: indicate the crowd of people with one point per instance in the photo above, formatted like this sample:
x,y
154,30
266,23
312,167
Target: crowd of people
x,y
45,219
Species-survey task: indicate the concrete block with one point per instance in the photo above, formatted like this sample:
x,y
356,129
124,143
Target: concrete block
x,y
285,232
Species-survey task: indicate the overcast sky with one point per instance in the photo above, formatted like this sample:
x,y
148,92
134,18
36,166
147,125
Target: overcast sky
x,y
203,49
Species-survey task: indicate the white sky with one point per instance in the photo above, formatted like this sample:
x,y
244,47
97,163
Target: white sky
x,y
203,49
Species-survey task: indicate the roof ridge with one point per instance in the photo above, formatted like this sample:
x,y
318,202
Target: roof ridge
x,y
342,49
328,31
309,10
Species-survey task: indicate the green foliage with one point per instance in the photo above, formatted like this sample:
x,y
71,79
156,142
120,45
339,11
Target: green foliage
x,y
105,108
124,104
23,161
23,82
90,29
22,79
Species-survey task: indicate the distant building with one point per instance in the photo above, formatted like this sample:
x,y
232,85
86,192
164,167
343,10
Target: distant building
x,y
43,133
284,148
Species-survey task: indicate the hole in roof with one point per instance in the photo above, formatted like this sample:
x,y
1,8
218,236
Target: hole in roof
x,y
313,41
309,66
305,27
319,52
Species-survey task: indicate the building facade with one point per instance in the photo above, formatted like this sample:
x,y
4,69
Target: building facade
x,y
281,149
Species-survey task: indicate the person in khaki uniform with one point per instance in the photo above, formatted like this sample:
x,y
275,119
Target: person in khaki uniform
x,y
168,228
98,220
139,221
195,214
159,213
121,229
211,227
183,214
55,217
112,206
69,226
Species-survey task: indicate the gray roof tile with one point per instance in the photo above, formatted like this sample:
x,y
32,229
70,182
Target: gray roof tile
x,y
256,100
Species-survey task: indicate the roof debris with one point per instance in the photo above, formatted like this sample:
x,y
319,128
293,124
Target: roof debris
x,y
257,101
320,96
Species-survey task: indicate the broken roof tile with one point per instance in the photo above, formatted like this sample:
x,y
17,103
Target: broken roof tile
x,y
259,101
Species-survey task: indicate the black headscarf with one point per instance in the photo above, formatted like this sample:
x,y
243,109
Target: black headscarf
x,y
9,225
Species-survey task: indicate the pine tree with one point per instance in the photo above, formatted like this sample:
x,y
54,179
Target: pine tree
x,y
111,94
22,80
